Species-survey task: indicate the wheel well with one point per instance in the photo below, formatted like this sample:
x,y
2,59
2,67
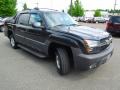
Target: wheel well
x,y
9,33
52,48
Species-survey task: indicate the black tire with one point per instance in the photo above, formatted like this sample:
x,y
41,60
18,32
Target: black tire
x,y
62,61
13,42
0,29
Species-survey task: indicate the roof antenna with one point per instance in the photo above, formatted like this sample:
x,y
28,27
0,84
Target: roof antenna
x,y
36,8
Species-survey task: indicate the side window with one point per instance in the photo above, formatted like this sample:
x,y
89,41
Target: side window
x,y
34,18
23,19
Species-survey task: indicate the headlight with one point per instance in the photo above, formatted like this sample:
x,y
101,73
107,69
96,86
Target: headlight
x,y
90,44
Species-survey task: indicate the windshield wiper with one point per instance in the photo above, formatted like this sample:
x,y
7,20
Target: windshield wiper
x,y
60,25
67,25
73,25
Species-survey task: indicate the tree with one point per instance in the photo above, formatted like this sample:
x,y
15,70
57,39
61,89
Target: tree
x,y
97,13
79,11
7,8
76,9
71,10
114,11
25,6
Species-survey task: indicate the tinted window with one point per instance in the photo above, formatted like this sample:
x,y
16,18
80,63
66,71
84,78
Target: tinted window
x,y
115,19
58,18
23,19
34,18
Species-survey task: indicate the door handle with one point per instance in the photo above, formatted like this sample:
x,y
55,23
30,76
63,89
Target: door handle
x,y
23,30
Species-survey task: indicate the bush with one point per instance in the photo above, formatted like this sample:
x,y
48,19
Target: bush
x,y
97,13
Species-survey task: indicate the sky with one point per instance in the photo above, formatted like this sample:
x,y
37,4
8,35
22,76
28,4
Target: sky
x,y
64,4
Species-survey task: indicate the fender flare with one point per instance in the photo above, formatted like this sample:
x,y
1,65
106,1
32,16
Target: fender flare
x,y
62,40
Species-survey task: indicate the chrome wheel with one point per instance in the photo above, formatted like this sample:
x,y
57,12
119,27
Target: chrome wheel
x,y
12,41
58,62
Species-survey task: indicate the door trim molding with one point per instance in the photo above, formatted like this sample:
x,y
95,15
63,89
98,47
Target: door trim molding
x,y
30,39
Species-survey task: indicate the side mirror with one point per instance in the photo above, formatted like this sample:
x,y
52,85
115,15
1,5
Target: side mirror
x,y
37,25
12,21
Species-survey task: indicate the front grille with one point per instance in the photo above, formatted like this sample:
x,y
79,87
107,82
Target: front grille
x,y
103,47
106,40
104,43
99,49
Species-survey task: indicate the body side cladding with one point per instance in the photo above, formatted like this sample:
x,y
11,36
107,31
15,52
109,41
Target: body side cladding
x,y
63,41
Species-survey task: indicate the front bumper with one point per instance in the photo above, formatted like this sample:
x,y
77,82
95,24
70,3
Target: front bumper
x,y
113,31
84,61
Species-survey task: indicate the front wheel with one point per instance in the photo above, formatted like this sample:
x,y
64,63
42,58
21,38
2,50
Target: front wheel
x,y
13,42
62,61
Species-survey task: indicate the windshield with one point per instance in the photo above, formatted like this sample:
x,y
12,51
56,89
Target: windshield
x,y
116,19
58,19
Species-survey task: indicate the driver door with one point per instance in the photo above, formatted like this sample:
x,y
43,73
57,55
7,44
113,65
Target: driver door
x,y
36,36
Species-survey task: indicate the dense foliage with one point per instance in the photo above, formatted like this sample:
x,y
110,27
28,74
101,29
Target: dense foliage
x,y
76,9
25,6
114,11
7,8
97,13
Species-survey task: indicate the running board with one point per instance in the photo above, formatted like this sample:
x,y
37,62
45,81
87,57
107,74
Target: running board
x,y
32,52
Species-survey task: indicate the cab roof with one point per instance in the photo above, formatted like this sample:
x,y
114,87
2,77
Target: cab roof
x,y
39,10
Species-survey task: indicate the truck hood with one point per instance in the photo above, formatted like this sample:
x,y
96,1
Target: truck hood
x,y
84,32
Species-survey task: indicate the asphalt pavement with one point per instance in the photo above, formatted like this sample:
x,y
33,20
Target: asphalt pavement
x,y
20,70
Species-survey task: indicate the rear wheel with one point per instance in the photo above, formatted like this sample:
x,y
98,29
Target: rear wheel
x,y
13,42
62,61
97,22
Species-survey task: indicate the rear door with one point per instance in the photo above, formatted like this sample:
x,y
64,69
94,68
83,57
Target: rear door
x,y
36,36
21,27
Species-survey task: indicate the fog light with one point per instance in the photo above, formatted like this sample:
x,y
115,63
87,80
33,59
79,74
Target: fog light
x,y
92,66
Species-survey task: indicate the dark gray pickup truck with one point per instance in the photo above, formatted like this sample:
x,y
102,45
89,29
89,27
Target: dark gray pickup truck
x,y
50,33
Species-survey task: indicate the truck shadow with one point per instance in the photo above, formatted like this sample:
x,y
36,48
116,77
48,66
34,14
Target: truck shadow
x,y
48,64
116,35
